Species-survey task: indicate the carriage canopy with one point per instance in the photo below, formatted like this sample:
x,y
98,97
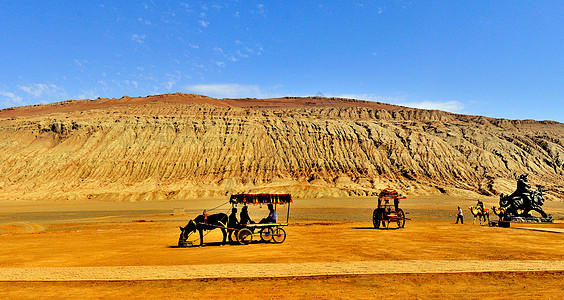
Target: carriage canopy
x,y
389,194
260,199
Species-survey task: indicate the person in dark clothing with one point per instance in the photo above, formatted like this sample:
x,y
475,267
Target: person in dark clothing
x,y
480,204
232,222
244,217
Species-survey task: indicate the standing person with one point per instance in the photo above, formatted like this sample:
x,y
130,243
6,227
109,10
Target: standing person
x,y
460,216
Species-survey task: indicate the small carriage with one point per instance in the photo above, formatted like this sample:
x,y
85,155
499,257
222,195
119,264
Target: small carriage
x,y
265,231
387,212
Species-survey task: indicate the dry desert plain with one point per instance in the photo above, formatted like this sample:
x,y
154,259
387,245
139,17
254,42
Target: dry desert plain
x,y
116,250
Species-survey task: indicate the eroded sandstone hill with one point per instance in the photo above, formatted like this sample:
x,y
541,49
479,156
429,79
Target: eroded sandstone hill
x,y
180,146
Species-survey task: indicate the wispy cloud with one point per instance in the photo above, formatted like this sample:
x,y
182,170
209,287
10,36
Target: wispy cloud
x,y
79,62
220,64
143,21
9,99
171,80
204,23
450,106
38,90
138,38
229,90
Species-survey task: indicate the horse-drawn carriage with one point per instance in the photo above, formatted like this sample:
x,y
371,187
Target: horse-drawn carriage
x,y
243,232
386,212
266,231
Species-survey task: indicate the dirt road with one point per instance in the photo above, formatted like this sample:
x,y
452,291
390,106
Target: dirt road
x,y
274,270
331,251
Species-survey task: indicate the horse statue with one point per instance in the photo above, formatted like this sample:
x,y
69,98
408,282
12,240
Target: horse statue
x,y
479,213
201,223
520,204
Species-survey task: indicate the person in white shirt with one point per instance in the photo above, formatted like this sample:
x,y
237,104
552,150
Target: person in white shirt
x,y
460,216
272,216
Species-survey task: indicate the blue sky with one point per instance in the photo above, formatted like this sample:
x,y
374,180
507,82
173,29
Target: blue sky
x,y
493,58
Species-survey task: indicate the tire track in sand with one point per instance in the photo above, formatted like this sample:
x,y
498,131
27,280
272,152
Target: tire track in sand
x,y
274,270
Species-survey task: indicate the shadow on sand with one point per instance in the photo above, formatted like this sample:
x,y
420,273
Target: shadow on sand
x,y
372,228
218,244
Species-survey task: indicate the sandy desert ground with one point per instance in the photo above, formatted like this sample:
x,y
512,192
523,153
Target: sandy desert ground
x,y
60,239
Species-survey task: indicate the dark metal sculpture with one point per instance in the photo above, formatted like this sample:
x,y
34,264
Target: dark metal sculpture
x,y
520,203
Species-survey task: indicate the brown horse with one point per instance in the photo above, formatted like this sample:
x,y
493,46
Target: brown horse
x,y
479,213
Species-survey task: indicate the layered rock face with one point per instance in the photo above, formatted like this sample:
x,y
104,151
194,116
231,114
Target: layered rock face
x,y
180,146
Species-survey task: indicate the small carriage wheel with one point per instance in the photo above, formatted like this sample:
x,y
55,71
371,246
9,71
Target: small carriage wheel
x,y
266,234
244,236
376,219
279,235
401,221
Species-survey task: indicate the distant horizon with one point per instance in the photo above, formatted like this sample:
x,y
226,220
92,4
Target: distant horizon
x,y
494,59
280,97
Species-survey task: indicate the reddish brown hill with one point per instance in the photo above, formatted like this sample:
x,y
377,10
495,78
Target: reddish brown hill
x,y
178,146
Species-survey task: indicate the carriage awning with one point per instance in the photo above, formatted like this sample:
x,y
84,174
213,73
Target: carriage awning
x,y
260,198
389,193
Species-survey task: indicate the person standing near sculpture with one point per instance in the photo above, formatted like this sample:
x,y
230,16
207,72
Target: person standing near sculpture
x,y
460,216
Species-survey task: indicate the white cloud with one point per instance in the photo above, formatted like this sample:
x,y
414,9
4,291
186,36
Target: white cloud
x,y
44,90
204,23
220,64
450,106
143,21
8,99
260,9
80,62
88,94
138,38
229,90
171,80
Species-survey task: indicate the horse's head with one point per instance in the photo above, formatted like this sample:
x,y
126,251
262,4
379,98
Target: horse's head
x,y
186,231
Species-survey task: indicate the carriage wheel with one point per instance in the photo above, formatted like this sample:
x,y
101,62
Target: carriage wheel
x,y
376,219
279,235
401,216
266,234
244,236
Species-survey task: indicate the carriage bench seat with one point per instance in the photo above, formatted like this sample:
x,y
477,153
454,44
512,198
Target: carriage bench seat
x,y
262,225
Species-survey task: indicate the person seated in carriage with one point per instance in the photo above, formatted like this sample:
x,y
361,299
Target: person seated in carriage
x,y
232,222
245,218
272,216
